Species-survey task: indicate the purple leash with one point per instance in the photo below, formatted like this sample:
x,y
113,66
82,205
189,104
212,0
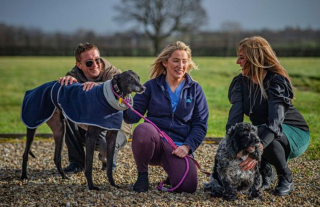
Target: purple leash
x,y
165,136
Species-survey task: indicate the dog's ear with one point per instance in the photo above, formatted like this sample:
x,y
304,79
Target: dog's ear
x,y
231,130
115,83
231,141
254,129
235,143
116,77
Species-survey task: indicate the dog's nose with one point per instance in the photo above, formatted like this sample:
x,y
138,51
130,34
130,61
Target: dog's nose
x,y
138,89
141,89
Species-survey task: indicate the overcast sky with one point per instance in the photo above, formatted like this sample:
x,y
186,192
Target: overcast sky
x,y
98,15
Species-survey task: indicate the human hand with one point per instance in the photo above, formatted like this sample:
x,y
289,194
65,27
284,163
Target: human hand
x,y
89,85
248,164
261,146
66,80
181,151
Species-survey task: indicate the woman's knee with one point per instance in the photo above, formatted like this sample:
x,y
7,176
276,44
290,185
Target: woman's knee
x,y
261,129
190,183
144,129
273,149
190,186
144,132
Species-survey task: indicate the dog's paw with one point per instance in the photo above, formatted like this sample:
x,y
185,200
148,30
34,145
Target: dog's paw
x,y
116,186
256,198
230,197
215,194
24,178
256,195
207,186
64,176
94,188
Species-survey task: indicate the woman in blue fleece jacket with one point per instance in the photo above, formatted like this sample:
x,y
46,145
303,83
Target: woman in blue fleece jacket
x,y
177,105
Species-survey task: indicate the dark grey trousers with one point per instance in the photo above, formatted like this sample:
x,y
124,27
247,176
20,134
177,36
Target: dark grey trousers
x,y
75,141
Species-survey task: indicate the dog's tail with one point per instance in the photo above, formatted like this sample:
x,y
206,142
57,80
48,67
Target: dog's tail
x,y
32,155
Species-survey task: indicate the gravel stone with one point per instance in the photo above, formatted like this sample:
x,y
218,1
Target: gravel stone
x,y
45,187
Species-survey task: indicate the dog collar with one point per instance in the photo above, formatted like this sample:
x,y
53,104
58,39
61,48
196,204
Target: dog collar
x,y
115,87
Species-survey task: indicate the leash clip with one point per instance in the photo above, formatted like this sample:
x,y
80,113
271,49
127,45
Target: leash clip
x,y
161,187
164,189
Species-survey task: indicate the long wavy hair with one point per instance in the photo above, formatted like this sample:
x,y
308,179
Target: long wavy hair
x,y
260,59
157,67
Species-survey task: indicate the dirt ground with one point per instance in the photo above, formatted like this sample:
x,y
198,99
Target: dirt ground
x,y
46,188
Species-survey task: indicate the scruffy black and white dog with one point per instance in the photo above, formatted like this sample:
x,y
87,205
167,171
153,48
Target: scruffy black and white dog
x,y
228,178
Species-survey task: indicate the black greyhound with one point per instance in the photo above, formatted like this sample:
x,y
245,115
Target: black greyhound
x,y
52,96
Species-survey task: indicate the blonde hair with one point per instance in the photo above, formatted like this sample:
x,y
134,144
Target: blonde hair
x,y
157,67
260,59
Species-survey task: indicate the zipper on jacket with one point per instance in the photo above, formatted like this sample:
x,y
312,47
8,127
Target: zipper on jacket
x,y
163,88
172,116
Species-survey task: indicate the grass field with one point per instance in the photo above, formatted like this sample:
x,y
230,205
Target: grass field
x,y
19,74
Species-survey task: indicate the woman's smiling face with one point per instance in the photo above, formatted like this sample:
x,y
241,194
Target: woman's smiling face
x,y
241,60
177,64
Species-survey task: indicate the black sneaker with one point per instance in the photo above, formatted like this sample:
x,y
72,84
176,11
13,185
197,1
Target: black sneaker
x,y
73,168
285,185
142,183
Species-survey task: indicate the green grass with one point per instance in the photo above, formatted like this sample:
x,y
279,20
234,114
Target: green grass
x,y
19,74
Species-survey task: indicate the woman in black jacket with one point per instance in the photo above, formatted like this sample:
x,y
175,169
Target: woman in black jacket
x,y
263,91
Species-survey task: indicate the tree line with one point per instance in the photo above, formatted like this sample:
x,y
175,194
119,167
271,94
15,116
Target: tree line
x,y
23,41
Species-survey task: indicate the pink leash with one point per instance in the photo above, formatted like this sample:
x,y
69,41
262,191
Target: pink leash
x,y
168,139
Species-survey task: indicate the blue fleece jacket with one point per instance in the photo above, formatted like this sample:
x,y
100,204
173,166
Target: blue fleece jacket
x,y
187,124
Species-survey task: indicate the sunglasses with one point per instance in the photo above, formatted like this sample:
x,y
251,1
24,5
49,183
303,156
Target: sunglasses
x,y
89,63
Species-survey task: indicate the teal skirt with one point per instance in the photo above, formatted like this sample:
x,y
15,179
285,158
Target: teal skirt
x,y
298,140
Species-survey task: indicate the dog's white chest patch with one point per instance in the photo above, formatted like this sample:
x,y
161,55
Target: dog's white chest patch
x,y
236,174
241,156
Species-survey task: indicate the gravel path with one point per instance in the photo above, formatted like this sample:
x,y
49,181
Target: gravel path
x,y
46,188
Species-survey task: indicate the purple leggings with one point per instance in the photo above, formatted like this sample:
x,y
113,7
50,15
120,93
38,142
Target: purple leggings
x,y
149,149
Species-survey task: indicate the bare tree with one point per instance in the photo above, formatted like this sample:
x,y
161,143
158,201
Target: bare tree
x,y
161,18
231,30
